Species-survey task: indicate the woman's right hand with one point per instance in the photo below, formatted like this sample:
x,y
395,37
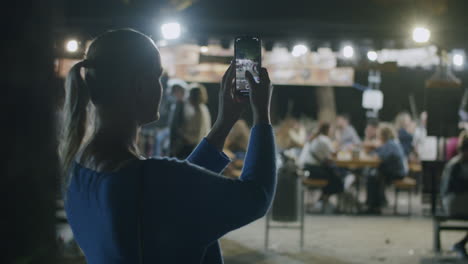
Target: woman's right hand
x,y
260,96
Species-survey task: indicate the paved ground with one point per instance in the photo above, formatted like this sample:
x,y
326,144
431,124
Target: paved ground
x,y
340,239
335,239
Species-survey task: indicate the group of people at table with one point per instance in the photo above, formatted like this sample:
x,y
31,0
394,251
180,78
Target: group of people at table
x,y
389,148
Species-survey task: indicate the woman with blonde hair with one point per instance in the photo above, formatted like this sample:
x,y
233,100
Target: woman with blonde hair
x,y
393,166
123,208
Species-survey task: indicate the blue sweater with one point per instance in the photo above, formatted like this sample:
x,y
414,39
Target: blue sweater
x,y
185,206
394,164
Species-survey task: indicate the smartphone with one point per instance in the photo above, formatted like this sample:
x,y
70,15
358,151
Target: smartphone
x,y
248,56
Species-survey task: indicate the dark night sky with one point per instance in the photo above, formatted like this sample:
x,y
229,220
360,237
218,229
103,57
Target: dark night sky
x,y
358,19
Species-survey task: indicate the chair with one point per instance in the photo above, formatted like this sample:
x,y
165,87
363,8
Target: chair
x,y
441,225
416,172
314,184
406,184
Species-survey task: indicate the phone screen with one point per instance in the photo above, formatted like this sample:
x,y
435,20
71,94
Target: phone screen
x,y
248,54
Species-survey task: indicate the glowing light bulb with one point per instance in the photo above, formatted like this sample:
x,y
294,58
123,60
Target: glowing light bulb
x,y
372,55
171,30
72,45
421,35
348,52
299,50
458,60
203,49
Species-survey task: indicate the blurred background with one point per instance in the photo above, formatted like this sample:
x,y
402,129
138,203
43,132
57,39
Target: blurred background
x,y
352,64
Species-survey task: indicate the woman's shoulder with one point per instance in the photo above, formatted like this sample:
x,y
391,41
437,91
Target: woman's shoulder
x,y
167,165
163,162
173,170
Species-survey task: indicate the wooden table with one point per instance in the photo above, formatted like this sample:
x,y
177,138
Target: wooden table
x,y
355,164
365,161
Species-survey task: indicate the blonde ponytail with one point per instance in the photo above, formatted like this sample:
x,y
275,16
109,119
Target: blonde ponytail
x,y
75,117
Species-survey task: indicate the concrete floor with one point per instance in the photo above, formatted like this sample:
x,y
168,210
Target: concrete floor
x,y
340,239
334,239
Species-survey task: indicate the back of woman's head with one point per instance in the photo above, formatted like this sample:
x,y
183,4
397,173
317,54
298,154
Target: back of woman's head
x,y
122,70
198,95
386,132
115,60
324,128
402,120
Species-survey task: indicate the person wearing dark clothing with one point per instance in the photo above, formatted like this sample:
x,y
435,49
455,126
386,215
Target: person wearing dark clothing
x,y
454,189
406,141
393,167
124,209
176,117
196,121
174,93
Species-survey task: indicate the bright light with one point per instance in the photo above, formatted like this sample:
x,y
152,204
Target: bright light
x,y
458,60
171,30
421,35
299,50
348,52
372,99
203,49
372,55
72,45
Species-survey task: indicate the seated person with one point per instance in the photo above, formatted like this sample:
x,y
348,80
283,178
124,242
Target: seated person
x,y
290,133
454,188
345,134
316,157
393,167
405,129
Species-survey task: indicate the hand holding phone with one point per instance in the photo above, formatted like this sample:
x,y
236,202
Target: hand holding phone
x,y
248,54
260,96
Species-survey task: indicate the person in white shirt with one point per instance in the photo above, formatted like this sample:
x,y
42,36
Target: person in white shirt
x,y
197,119
317,158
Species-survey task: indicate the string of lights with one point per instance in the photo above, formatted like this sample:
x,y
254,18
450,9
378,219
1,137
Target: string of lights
x,y
171,31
